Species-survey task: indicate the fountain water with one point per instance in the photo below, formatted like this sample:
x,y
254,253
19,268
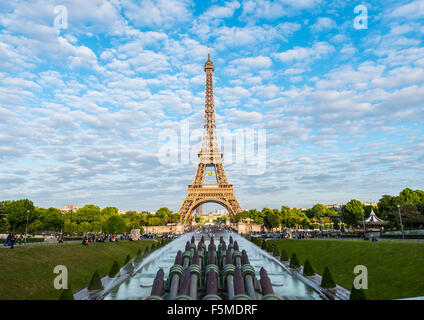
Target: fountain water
x,y
217,268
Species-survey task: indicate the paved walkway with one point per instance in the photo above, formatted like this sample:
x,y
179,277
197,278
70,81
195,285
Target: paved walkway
x,y
36,243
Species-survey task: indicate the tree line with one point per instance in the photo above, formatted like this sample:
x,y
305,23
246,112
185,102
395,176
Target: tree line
x,y
90,218
352,214
14,216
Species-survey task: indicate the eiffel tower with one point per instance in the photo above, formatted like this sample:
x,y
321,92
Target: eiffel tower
x,y
210,158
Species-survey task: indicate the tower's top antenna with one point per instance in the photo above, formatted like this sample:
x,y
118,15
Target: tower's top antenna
x,y
209,53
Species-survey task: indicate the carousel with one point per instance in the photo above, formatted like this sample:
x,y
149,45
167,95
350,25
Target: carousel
x,y
374,223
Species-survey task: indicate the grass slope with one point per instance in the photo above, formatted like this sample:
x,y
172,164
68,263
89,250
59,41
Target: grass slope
x,y
27,272
395,268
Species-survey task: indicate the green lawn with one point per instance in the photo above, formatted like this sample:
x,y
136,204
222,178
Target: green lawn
x,y
27,272
395,268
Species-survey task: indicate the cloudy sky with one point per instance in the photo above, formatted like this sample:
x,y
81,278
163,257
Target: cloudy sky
x,y
82,109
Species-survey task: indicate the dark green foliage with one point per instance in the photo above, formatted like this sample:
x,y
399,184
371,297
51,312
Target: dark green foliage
x,y
138,252
283,256
147,252
294,262
127,259
307,269
269,247
66,294
263,245
357,294
139,257
114,270
327,279
96,282
275,253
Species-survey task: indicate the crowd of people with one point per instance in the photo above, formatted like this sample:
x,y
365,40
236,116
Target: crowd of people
x,y
105,238
12,239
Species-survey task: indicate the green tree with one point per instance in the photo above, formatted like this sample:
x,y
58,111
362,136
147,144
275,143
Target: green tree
x,y
67,294
327,279
283,256
318,211
114,224
294,261
353,213
88,218
271,218
52,219
109,211
17,213
308,270
95,282
357,294
114,270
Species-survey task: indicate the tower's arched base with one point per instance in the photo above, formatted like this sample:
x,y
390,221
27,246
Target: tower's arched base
x,y
196,196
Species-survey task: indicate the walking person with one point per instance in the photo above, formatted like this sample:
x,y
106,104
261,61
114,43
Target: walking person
x,y
5,237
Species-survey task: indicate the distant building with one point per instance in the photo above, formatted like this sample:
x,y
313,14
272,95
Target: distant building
x,y
373,204
336,207
69,208
148,212
122,211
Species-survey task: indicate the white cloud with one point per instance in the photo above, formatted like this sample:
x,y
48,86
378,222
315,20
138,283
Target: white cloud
x,y
323,24
160,13
412,10
306,55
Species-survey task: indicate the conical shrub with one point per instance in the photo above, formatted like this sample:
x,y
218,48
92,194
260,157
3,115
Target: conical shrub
x,y
276,253
357,294
146,252
294,261
114,270
307,269
139,257
127,259
283,256
327,279
269,247
263,245
96,282
138,252
67,294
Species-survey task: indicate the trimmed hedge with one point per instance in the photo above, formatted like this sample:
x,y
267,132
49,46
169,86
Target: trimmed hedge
x,y
399,236
127,259
327,279
308,270
147,252
95,282
29,240
72,238
350,235
275,253
294,262
283,256
357,294
67,294
114,270
263,244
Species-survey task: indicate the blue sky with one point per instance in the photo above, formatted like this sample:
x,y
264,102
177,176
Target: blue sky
x,y
81,109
